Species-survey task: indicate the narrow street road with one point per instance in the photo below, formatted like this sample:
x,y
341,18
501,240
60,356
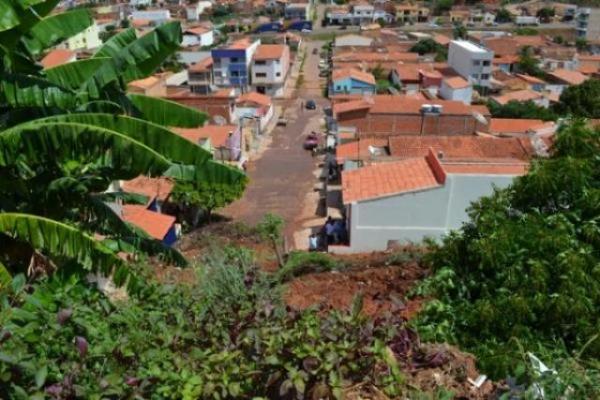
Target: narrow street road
x,y
281,177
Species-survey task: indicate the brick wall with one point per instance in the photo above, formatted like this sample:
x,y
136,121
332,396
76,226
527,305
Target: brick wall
x,y
211,105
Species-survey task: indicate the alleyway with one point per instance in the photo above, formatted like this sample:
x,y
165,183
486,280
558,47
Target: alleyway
x,y
283,175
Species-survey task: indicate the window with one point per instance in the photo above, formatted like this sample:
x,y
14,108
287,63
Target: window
x,y
475,76
486,63
260,75
476,63
234,59
235,73
485,76
278,74
338,87
260,62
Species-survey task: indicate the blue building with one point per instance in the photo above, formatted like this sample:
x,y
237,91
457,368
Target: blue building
x,y
231,64
352,81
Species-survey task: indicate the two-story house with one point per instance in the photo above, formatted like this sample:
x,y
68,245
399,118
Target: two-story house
x,y
471,61
231,64
270,67
298,11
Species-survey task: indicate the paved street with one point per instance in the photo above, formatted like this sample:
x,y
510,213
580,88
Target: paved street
x,y
283,175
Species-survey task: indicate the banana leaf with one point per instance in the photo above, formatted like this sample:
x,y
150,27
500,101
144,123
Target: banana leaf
x,y
20,90
116,43
166,112
56,28
73,75
59,240
118,155
5,278
160,139
9,17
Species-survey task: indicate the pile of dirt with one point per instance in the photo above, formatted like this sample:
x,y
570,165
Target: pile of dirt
x,y
382,288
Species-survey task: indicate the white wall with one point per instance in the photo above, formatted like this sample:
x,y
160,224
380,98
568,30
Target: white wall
x,y
157,16
86,40
462,58
464,94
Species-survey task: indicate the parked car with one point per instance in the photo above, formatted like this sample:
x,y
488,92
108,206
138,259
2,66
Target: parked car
x,y
311,105
311,141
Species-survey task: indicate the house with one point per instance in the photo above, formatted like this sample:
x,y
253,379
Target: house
x,y
385,115
88,39
297,11
270,67
471,61
560,79
353,81
522,96
193,11
457,89
356,153
157,16
587,23
532,82
231,64
353,40
223,141
57,57
408,200
198,36
200,76
219,105
407,13
518,127
411,78
590,61
158,226
150,86
459,15
362,13
370,59
256,106
506,63
156,190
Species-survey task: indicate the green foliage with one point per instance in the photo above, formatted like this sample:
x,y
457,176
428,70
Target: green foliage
x,y
270,227
228,337
207,196
429,46
528,64
581,44
546,14
301,263
459,31
442,6
526,31
503,16
521,109
581,100
526,264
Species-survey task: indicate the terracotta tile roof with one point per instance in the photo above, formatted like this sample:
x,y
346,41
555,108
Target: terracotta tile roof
x,y
254,97
410,72
372,56
515,169
518,95
358,149
140,22
471,148
269,52
589,57
502,46
506,59
198,30
202,66
159,188
145,83
456,82
588,69
441,39
352,105
514,125
530,79
57,57
387,179
154,224
353,73
218,134
534,41
240,44
569,77
399,104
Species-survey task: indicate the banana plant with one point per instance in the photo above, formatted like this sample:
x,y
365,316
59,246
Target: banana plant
x,y
67,132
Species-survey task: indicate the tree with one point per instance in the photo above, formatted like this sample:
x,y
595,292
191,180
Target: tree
x,y
528,64
207,196
67,132
459,32
581,44
442,6
428,46
546,14
581,100
503,16
271,228
521,110
378,72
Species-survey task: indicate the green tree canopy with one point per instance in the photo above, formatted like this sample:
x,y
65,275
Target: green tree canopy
x,y
521,109
581,100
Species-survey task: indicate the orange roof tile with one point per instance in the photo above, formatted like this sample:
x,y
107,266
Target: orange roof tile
x,y
218,134
254,97
518,95
472,148
514,125
530,79
532,41
357,149
400,104
240,44
507,59
588,69
515,169
269,52
354,74
502,46
410,72
140,22
198,30
144,83
387,179
456,82
569,77
159,188
154,224
57,57
441,39
202,66
589,57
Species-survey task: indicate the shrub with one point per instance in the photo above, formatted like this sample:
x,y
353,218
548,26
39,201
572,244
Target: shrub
x,y
300,263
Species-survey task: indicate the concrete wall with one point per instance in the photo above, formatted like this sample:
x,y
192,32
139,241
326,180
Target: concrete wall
x,y
464,94
411,217
351,86
470,64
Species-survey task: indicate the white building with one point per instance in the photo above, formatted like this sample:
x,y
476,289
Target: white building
x,y
156,16
298,11
270,67
456,88
193,11
472,62
88,39
198,36
587,23
137,3
353,40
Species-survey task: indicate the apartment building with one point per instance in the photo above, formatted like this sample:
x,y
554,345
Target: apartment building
x,y
231,64
198,36
587,23
472,62
270,66
298,11
88,39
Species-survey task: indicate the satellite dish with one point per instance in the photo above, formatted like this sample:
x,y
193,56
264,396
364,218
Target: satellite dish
x,y
219,120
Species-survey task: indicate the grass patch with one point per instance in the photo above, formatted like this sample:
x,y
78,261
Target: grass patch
x,y
302,263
